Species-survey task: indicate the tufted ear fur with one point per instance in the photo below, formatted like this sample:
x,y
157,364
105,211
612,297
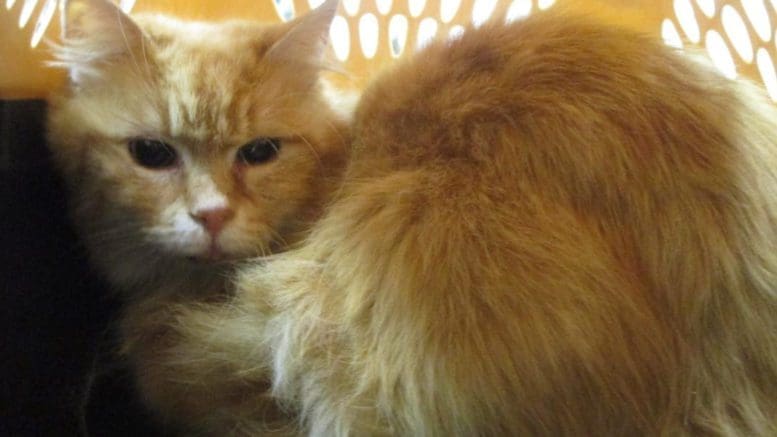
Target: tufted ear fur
x,y
304,44
95,33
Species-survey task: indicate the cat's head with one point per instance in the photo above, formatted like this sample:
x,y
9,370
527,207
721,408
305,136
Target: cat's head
x,y
192,141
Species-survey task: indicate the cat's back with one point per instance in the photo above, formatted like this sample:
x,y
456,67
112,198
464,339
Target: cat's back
x,y
553,74
558,213
563,111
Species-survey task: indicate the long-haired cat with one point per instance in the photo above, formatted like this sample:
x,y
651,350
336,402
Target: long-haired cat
x,y
189,146
552,227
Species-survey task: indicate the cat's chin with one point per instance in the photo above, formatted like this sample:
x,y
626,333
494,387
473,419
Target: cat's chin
x,y
213,254
207,259
214,257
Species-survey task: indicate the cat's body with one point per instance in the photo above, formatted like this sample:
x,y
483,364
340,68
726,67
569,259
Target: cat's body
x,y
554,227
550,228
190,146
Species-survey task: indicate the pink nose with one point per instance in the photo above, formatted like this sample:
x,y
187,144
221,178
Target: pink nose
x,y
213,220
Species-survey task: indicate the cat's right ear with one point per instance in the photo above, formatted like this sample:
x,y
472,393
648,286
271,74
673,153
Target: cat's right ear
x,y
305,43
95,33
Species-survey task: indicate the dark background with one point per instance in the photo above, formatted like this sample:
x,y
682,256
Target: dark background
x,y
57,373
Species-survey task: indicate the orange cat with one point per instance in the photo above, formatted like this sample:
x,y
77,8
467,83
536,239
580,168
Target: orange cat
x,y
553,227
190,146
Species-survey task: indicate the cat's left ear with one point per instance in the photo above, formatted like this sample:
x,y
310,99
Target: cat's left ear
x,y
307,39
95,32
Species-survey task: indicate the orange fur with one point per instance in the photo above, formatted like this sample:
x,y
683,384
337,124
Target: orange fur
x,y
548,228
553,227
206,89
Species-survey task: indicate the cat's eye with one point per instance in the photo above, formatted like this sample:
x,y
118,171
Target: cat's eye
x,y
152,154
259,151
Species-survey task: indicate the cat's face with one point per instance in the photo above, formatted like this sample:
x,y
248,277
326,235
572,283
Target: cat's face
x,y
190,140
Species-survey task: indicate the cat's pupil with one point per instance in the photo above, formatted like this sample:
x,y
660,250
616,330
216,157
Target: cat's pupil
x,y
153,154
259,150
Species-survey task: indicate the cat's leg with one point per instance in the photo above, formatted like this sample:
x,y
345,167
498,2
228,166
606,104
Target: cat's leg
x,y
201,367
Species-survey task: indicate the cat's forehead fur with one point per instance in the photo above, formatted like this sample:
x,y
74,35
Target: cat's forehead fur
x,y
215,85
205,45
204,85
